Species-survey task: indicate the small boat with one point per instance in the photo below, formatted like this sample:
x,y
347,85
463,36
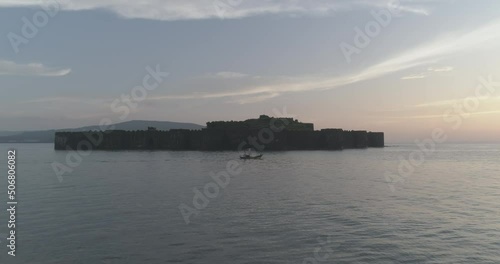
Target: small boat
x,y
245,157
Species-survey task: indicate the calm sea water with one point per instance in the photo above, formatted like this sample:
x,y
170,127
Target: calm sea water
x,y
290,207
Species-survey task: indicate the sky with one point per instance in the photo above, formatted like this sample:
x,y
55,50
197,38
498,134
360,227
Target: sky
x,y
404,67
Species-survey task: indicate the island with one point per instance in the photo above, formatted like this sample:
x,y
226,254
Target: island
x,y
261,134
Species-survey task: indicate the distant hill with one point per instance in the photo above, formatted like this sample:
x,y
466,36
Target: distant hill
x,y
142,125
8,133
47,136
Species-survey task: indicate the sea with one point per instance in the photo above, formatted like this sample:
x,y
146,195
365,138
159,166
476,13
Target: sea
x,y
399,204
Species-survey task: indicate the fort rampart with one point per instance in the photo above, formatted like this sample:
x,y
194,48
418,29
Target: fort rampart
x,y
221,135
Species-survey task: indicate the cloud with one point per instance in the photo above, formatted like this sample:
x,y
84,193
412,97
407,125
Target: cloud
x,y
30,69
228,75
493,112
436,103
441,69
416,10
423,75
491,100
423,55
230,9
414,76
68,100
255,99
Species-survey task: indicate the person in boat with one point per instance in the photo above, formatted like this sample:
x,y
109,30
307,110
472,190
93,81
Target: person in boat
x,y
247,153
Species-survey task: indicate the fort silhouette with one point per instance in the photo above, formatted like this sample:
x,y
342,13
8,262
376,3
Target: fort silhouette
x,y
263,133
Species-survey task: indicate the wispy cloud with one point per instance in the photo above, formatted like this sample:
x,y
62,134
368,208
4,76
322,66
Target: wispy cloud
x,y
478,113
70,100
430,53
416,10
204,9
451,102
228,75
255,99
436,103
30,69
441,69
414,76
430,72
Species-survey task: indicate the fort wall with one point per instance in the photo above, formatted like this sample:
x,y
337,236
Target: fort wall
x,y
264,133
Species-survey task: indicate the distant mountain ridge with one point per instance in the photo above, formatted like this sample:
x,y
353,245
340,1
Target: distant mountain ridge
x,y
47,136
142,125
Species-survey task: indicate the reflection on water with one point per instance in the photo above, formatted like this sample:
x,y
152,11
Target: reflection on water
x,y
122,207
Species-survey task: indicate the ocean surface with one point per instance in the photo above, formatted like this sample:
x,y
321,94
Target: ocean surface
x,y
350,206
